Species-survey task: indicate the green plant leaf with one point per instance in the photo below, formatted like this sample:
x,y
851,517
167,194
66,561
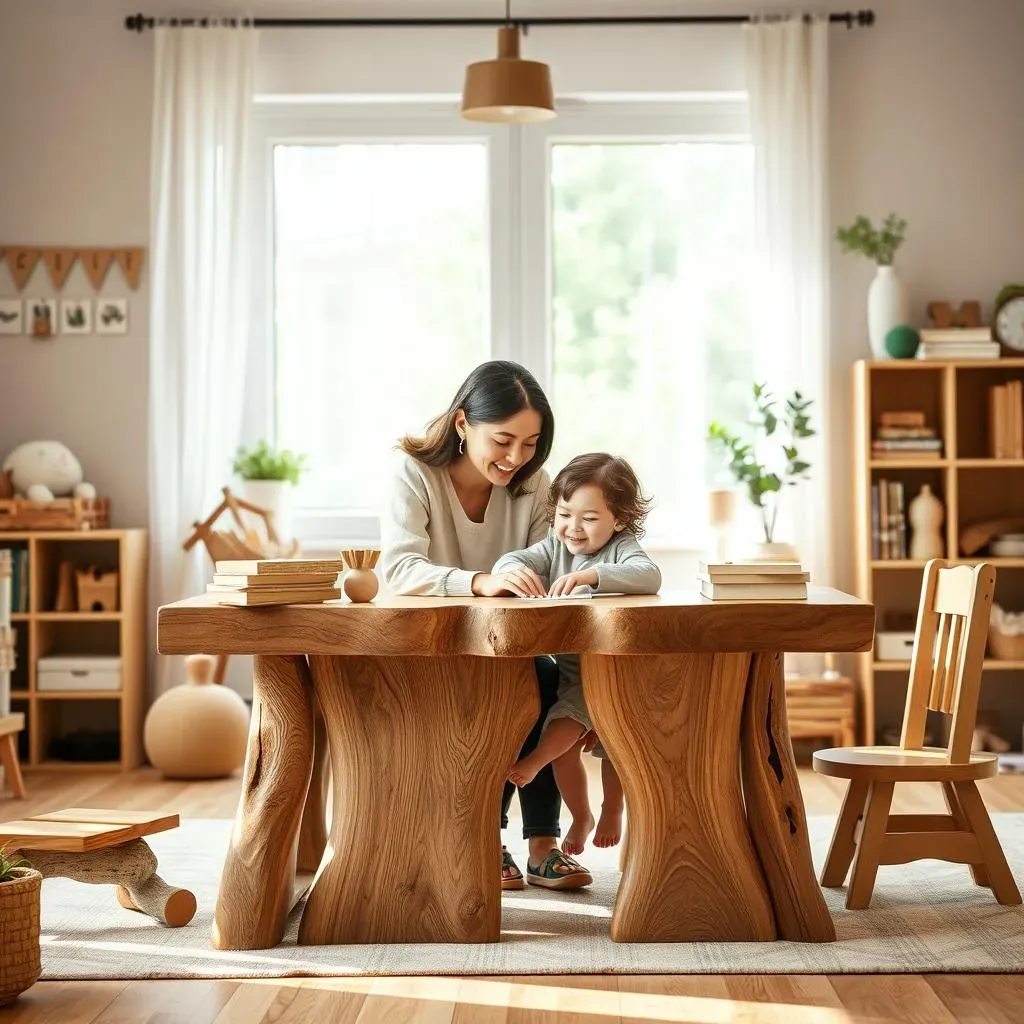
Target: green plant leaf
x,y
266,463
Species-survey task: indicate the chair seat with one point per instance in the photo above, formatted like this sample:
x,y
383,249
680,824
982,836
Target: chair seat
x,y
897,765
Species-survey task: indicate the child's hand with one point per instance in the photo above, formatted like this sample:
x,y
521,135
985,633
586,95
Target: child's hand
x,y
521,581
566,584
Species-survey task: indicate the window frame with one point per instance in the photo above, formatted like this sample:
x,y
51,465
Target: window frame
x,y
519,161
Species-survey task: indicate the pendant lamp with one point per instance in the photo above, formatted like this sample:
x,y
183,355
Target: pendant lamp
x,y
508,89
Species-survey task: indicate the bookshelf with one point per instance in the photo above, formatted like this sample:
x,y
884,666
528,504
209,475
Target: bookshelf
x,y
40,631
972,485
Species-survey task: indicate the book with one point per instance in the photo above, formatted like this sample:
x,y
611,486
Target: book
x,y
270,596
282,579
755,592
277,566
754,578
761,568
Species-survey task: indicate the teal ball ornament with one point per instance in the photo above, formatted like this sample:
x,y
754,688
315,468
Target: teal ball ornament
x,y
901,341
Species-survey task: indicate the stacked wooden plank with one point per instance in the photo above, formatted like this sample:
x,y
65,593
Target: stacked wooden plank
x,y
259,582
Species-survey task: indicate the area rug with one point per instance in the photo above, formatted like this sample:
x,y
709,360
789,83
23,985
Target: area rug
x,y
924,917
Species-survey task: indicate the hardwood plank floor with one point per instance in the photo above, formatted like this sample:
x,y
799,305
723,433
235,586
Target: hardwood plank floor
x,y
572,999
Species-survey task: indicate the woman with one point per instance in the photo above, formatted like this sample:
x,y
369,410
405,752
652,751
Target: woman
x,y
467,492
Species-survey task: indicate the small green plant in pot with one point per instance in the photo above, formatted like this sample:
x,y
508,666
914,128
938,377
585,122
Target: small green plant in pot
x,y
268,476
764,480
19,924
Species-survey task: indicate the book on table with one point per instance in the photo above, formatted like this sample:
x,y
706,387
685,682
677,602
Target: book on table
x,y
272,595
753,581
278,566
290,579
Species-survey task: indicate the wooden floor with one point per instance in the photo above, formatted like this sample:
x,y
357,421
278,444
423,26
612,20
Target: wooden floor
x,y
580,999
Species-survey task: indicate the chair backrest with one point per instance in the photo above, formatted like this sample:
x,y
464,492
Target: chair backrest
x,y
949,648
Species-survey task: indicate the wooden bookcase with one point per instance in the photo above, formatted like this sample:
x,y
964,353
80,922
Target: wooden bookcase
x,y
41,631
971,485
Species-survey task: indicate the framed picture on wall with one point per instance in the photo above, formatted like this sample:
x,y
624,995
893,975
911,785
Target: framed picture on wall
x,y
111,316
76,316
41,317
10,317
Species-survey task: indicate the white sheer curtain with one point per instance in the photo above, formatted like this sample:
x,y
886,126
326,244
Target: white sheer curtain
x,y
203,90
787,79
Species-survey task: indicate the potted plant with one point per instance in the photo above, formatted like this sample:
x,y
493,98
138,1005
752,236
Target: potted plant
x,y
887,298
20,884
764,481
268,475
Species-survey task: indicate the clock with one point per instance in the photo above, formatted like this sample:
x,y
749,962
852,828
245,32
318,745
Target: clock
x,y
1008,319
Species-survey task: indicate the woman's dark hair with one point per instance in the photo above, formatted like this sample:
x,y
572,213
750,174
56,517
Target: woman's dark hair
x,y
493,392
618,483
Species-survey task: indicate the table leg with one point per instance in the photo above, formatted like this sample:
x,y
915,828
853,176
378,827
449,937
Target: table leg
x,y
420,749
313,830
257,886
775,807
671,725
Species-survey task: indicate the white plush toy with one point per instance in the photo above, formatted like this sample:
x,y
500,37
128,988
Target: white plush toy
x,y
43,470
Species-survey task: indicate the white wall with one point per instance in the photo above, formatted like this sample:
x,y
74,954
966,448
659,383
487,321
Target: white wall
x,y
925,114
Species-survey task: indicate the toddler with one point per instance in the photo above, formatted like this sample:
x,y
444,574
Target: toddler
x,y
596,512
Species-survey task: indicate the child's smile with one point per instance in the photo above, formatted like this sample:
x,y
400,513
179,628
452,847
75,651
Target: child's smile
x,y
583,521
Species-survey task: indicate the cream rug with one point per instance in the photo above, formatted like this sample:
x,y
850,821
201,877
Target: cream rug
x,y
924,917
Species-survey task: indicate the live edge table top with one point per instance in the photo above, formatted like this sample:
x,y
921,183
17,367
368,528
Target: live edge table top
x,y
673,622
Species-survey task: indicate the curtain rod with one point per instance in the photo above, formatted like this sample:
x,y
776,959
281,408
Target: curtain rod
x,y
140,22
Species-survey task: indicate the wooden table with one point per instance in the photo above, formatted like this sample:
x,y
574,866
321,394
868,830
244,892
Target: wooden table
x,y
419,706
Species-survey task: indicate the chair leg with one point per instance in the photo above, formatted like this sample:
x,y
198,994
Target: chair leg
x,y
978,872
869,849
998,871
9,759
843,846
221,668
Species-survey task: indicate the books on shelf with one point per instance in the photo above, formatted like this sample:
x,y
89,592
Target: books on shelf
x,y
753,581
888,520
262,582
1006,420
957,343
905,434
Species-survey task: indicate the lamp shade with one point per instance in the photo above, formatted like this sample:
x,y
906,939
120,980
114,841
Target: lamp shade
x,y
508,89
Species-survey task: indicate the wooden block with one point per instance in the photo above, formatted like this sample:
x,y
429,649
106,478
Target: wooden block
x,y
12,723
66,837
138,823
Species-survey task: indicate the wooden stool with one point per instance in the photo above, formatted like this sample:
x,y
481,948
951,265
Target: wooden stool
x,y
821,709
10,726
104,847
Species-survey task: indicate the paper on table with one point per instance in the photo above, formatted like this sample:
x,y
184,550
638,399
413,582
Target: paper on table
x,y
563,597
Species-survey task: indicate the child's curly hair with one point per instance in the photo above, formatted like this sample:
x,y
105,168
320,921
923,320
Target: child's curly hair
x,y
618,483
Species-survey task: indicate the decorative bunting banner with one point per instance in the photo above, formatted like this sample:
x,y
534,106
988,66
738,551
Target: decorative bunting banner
x,y
59,263
96,262
22,262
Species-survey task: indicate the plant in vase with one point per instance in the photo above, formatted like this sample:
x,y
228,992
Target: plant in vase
x,y
268,474
763,481
19,924
887,298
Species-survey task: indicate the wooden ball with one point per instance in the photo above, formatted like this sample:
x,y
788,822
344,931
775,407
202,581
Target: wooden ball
x,y
360,585
198,730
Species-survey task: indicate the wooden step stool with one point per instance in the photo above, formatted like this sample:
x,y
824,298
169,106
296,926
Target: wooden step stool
x,y
10,726
104,847
821,708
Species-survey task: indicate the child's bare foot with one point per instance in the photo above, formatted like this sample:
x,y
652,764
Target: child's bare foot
x,y
609,828
525,771
576,838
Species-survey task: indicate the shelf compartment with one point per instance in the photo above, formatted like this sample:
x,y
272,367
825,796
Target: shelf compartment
x,y
918,388
81,553
972,384
989,493
78,730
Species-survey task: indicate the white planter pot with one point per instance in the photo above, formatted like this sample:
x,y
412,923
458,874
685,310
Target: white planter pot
x,y
275,495
887,307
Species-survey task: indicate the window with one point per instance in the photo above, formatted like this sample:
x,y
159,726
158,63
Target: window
x,y
610,252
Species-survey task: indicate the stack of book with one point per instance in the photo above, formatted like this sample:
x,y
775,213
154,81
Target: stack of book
x,y
267,581
905,434
957,343
753,581
1006,420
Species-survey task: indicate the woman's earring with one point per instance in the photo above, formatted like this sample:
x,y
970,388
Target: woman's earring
x,y
460,444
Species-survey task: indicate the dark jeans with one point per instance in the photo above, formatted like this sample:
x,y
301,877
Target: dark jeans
x,y
540,801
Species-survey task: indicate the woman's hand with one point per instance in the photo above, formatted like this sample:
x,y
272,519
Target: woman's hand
x,y
521,581
566,584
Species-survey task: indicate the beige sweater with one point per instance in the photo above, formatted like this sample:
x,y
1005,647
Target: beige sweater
x,y
430,546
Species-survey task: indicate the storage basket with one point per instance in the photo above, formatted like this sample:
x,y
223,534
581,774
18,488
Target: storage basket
x,y
1005,646
19,933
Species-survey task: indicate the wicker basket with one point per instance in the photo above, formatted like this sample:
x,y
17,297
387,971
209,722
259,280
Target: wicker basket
x,y
1005,646
19,933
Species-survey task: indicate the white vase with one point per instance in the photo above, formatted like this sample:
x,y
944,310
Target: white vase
x,y
887,307
275,495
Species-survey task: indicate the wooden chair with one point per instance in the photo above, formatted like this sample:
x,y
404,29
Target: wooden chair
x,y
10,726
945,676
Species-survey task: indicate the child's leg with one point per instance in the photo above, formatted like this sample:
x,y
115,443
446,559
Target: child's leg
x,y
559,735
571,777
609,828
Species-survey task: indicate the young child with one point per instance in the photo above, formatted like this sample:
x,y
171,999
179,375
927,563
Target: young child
x,y
597,512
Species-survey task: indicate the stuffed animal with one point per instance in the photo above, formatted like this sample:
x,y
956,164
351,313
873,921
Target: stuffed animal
x,y
43,470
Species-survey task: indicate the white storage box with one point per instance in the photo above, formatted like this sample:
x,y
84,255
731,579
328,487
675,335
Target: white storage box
x,y
894,646
78,672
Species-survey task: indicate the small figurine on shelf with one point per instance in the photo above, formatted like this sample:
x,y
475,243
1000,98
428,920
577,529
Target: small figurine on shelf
x,y
926,514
